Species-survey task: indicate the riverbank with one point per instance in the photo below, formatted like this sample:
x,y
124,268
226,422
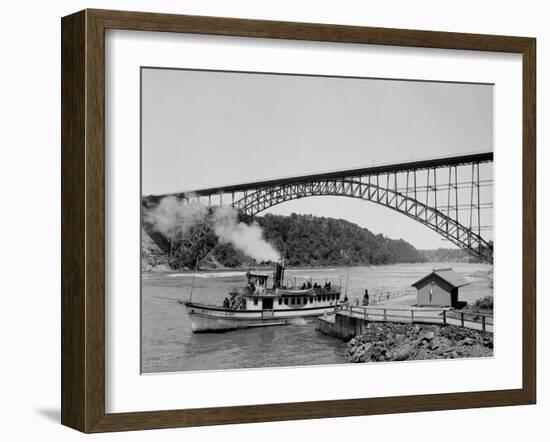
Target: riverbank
x,y
403,342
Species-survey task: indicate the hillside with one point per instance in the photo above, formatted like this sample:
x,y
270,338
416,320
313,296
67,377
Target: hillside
x,y
448,255
152,257
306,240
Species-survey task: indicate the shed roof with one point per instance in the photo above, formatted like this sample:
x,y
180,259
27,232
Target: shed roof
x,y
447,275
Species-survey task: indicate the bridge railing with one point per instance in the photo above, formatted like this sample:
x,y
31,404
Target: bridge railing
x,y
442,316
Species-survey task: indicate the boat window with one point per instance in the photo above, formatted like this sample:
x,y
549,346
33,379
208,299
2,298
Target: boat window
x,y
324,298
311,300
338,296
286,301
280,301
318,298
292,301
255,301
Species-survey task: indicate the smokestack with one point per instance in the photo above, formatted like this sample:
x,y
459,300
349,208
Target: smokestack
x,y
279,275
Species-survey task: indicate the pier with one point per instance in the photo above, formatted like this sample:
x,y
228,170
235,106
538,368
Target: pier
x,y
348,321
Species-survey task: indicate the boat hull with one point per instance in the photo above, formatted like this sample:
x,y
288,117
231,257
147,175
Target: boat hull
x,y
206,319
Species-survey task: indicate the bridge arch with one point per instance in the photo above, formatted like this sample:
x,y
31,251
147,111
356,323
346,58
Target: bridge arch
x,y
440,222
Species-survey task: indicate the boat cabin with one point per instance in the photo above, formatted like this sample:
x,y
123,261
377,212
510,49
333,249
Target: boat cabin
x,y
256,282
296,294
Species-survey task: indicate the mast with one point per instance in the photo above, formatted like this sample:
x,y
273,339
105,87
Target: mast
x,y
193,280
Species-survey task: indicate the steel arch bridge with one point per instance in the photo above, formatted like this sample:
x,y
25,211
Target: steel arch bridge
x,y
450,195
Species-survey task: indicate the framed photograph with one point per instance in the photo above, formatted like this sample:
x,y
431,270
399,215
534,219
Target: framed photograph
x,y
267,220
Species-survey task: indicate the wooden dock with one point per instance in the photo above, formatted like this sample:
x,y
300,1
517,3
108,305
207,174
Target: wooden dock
x,y
348,321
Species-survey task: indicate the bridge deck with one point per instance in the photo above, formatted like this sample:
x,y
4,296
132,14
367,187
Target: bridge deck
x,y
447,161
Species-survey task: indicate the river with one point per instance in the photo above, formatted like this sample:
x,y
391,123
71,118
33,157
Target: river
x,y
169,345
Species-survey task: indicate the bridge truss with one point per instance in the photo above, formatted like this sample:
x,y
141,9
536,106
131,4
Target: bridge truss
x,y
452,196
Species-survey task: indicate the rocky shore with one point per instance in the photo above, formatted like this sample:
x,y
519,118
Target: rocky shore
x,y
403,342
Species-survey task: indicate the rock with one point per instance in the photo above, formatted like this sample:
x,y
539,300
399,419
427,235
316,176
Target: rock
x,y
403,353
426,335
378,350
443,348
362,353
400,342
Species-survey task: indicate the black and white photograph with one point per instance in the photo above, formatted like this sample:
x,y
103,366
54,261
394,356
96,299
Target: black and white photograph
x,y
275,221
300,220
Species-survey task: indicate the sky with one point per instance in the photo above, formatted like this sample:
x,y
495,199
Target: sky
x,y
207,128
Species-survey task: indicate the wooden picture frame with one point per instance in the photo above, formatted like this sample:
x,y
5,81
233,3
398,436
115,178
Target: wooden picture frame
x,y
83,220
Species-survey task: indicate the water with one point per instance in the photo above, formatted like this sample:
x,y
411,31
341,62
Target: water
x,y
169,345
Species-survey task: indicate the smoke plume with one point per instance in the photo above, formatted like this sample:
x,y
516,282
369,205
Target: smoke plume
x,y
248,238
173,218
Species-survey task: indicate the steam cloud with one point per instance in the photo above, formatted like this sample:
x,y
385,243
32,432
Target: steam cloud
x,y
248,238
173,218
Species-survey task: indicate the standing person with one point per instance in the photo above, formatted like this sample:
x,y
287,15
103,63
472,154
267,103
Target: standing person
x,y
366,297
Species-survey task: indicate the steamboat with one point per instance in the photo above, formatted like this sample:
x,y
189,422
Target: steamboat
x,y
261,303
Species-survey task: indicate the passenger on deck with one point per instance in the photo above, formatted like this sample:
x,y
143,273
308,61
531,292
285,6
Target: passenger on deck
x,y
226,303
366,298
308,284
345,299
304,286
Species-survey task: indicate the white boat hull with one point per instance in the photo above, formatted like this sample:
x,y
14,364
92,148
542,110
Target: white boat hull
x,y
206,318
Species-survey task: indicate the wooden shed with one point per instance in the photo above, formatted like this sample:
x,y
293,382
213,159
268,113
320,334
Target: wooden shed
x,y
439,288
